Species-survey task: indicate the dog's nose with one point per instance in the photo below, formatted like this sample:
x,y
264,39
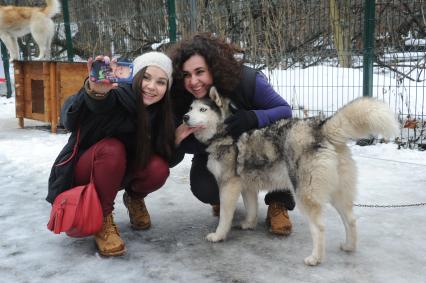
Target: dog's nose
x,y
185,118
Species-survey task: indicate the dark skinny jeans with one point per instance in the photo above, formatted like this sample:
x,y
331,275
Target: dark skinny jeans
x,y
205,188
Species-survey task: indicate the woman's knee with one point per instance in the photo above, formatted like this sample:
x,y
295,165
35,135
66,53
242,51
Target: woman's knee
x,y
204,188
152,176
158,168
111,149
203,183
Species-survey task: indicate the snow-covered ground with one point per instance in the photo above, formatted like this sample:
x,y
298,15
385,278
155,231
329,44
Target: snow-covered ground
x,y
391,240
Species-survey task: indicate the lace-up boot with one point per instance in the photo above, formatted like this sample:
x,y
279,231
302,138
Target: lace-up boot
x,y
278,220
138,214
108,239
216,210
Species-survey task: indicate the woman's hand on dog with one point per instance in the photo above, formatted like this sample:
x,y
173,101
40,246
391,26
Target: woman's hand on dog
x,y
100,87
240,122
183,131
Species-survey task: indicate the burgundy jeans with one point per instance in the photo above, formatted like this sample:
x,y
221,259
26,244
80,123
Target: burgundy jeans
x,y
110,173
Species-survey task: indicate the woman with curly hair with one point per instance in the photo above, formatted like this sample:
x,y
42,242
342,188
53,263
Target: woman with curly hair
x,y
206,60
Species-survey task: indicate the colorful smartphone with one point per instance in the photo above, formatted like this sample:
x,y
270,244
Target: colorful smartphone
x,y
114,72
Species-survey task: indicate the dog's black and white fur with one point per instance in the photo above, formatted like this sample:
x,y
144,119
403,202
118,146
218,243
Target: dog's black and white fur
x,y
310,156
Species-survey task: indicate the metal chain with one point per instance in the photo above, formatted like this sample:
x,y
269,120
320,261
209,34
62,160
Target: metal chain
x,y
389,205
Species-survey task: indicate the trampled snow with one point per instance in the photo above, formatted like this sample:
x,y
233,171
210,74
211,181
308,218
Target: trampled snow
x,y
391,245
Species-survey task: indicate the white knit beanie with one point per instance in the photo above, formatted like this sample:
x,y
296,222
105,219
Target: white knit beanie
x,y
154,58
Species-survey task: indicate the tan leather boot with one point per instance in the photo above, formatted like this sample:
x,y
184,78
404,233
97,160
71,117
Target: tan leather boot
x,y
138,214
108,239
278,220
216,209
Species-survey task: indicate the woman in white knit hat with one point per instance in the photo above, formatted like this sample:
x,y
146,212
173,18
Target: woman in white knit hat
x,y
129,130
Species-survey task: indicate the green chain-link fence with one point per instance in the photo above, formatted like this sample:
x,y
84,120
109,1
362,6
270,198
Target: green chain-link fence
x,y
312,50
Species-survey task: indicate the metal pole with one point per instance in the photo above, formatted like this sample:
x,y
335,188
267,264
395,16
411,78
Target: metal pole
x,y
66,15
5,59
193,21
171,10
369,21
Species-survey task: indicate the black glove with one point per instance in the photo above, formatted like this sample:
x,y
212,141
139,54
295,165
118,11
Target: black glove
x,y
240,122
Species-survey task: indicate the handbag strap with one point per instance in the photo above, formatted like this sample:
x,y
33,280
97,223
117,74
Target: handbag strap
x,y
93,162
74,150
74,153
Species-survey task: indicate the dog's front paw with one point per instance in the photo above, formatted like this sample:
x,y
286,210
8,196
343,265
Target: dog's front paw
x,y
248,225
347,247
312,260
214,237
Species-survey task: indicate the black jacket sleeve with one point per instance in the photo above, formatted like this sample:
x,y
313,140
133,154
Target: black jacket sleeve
x,y
192,146
71,109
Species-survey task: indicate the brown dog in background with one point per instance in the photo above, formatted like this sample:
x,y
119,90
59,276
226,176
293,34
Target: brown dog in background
x,y
18,21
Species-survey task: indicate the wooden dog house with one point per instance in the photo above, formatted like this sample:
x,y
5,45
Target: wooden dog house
x,y
43,86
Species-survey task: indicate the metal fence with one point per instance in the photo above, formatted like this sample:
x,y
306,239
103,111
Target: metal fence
x,y
312,51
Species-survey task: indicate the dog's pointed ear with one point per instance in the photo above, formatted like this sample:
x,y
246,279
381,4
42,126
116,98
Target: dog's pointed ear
x,y
215,96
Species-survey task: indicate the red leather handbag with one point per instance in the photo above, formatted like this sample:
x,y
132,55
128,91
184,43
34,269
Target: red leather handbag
x,y
77,211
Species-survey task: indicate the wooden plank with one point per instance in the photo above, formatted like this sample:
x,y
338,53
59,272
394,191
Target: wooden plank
x,y
70,79
38,117
53,98
27,93
19,92
46,91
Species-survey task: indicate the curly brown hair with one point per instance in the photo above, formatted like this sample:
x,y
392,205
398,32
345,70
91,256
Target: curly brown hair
x,y
219,56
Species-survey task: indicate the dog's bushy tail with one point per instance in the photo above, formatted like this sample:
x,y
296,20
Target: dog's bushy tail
x,y
361,118
53,7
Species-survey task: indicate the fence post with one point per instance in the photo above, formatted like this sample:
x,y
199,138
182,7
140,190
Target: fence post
x,y
368,58
66,15
171,10
5,59
193,21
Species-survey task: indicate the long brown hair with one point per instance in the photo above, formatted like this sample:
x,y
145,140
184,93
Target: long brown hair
x,y
157,136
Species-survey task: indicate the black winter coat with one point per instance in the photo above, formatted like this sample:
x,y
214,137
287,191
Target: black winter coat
x,y
114,116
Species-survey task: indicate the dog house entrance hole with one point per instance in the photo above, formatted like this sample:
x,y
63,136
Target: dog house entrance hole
x,y
37,96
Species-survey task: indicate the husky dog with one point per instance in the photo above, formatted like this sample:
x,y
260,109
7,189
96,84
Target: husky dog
x,y
19,21
309,156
